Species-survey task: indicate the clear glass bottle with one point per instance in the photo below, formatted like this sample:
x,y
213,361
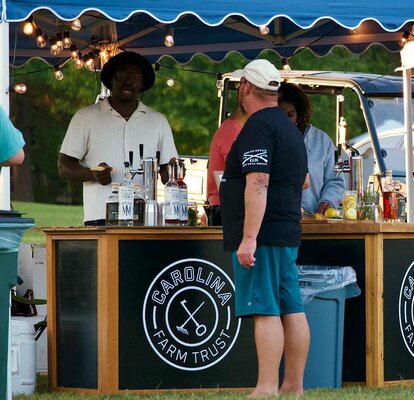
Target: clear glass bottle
x,y
172,197
126,199
139,206
183,194
112,205
389,198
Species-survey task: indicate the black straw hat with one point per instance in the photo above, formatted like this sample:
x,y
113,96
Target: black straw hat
x,y
128,57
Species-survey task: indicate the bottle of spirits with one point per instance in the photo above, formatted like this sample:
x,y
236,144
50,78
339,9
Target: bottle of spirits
x,y
172,197
389,198
139,206
112,205
183,194
126,199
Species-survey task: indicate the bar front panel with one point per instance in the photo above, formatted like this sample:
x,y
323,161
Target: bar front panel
x,y
398,309
176,318
76,314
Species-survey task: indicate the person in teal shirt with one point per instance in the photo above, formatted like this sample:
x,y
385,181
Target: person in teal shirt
x,y
11,142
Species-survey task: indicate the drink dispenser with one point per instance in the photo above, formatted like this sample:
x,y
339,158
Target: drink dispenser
x,y
150,174
357,176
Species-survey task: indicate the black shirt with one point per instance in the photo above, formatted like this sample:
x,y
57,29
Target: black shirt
x,y
269,143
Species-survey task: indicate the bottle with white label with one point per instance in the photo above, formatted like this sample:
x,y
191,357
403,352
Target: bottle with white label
x,y
126,199
172,198
112,206
183,194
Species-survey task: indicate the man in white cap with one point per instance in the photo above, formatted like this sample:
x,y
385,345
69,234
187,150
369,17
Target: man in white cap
x,y
260,197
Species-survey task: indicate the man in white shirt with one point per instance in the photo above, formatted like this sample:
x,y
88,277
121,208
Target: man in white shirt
x,y
103,134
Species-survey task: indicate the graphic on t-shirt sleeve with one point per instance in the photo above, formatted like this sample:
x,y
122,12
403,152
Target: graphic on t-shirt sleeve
x,y
255,157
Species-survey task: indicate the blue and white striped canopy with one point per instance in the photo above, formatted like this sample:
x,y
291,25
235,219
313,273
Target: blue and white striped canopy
x,y
214,27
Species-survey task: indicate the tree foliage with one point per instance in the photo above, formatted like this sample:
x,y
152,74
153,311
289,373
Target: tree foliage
x,y
191,105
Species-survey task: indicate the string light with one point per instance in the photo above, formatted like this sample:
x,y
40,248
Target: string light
x,y
76,25
79,62
170,82
28,26
74,55
404,38
58,73
59,41
169,38
40,39
89,62
285,64
54,49
67,42
264,29
19,88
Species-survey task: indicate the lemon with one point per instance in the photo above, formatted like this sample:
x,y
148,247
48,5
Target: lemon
x,y
349,197
350,213
350,204
331,213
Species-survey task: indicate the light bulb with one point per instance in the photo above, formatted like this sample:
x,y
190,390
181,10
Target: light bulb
x,y
28,26
170,82
67,42
20,88
404,38
58,73
89,62
285,64
54,49
59,41
76,25
264,29
78,64
74,55
169,38
40,39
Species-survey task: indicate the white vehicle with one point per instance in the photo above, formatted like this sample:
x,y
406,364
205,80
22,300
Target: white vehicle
x,y
381,105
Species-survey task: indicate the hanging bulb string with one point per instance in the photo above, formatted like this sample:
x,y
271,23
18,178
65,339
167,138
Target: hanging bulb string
x,y
168,76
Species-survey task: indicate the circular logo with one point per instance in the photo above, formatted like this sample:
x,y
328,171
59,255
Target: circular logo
x,y
188,314
406,309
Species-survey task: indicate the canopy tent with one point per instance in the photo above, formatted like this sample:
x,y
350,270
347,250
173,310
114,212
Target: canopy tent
x,y
211,27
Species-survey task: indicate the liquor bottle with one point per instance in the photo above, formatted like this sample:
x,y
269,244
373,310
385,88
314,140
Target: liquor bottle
x,y
112,205
389,198
401,203
172,197
126,199
183,194
139,206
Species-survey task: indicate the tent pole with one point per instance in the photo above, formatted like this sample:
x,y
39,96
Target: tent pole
x,y
408,123
4,102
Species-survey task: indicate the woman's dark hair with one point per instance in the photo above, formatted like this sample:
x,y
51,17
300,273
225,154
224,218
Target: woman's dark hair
x,y
294,94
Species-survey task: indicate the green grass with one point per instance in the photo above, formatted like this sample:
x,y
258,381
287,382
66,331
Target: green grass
x,y
348,393
47,215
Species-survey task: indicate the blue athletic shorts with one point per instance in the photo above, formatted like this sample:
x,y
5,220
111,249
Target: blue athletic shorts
x,y
271,287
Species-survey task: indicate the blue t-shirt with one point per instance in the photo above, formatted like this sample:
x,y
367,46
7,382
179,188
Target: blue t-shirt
x,y
269,142
11,139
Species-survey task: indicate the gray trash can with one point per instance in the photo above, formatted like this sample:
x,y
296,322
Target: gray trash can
x,y
12,227
324,291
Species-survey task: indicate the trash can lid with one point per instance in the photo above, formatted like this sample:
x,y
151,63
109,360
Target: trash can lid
x,y
14,217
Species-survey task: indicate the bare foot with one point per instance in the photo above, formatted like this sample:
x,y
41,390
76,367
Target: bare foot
x,y
298,392
259,394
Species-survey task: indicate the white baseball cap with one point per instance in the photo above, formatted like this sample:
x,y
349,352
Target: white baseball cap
x,y
261,73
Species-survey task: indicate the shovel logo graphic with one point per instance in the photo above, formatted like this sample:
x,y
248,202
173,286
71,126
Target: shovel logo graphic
x,y
188,314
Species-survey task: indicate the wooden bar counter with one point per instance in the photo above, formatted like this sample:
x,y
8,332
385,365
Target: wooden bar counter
x,y
144,309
